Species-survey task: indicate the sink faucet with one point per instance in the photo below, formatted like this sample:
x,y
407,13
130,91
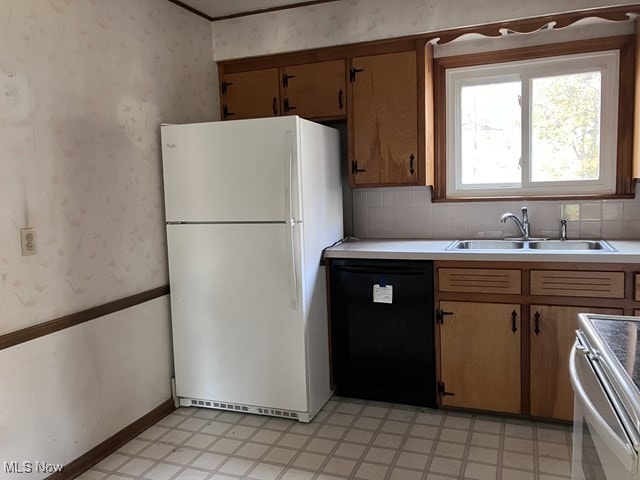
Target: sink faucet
x,y
523,225
563,230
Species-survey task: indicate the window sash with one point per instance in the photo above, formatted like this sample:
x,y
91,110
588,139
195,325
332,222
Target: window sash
x,y
605,62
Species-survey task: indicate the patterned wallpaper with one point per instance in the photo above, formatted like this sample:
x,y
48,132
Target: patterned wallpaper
x,y
350,21
84,85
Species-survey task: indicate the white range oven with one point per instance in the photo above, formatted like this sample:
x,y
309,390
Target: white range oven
x,y
605,374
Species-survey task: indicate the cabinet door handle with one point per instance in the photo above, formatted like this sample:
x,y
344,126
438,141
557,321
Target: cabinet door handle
x,y
514,316
274,106
411,159
340,104
536,328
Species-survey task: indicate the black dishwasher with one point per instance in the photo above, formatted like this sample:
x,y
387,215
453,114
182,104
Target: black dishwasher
x,y
382,330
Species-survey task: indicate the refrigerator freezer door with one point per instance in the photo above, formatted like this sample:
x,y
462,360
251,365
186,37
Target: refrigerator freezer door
x,y
234,171
237,335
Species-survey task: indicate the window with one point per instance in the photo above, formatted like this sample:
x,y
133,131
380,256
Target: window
x,y
533,122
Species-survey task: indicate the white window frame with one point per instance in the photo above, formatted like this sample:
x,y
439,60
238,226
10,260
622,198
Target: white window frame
x,y
606,62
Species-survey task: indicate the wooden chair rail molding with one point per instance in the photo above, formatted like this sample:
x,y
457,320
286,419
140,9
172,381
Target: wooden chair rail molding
x,y
52,326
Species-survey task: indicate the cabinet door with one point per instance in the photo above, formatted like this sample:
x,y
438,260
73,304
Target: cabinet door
x,y
480,356
385,120
553,332
315,90
250,94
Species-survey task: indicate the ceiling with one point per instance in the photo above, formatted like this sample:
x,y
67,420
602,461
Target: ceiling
x,y
215,9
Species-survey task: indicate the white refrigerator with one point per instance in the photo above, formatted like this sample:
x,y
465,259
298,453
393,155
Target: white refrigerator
x,y
250,205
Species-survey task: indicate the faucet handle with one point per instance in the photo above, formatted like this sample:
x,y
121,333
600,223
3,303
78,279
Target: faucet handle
x,y
525,214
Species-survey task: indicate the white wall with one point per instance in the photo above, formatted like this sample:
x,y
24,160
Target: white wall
x,y
64,393
84,86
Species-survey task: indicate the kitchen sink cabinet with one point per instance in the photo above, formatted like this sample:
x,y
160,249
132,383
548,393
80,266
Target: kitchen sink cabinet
x,y
384,120
474,299
253,94
552,334
315,90
480,356
579,283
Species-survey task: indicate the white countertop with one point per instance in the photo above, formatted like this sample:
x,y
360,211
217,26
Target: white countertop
x,y
627,251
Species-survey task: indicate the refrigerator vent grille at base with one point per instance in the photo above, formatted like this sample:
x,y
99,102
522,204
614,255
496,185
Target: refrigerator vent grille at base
x,y
240,408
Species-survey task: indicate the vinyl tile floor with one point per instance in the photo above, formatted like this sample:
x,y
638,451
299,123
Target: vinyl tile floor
x,y
348,439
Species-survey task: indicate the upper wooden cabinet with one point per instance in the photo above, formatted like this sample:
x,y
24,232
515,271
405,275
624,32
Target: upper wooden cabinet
x,y
314,90
384,120
252,94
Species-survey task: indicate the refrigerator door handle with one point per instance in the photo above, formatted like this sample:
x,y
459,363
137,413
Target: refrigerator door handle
x,y
288,181
291,223
293,276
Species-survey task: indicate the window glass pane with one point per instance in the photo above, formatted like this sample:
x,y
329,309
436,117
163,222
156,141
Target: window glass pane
x,y
565,130
490,140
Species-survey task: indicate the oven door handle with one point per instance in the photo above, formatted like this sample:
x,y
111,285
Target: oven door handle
x,y
622,448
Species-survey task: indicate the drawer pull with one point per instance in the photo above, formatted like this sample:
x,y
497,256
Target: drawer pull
x,y
514,317
536,329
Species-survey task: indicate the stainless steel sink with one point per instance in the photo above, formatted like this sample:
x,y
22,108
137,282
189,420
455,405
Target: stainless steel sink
x,y
571,245
533,245
486,245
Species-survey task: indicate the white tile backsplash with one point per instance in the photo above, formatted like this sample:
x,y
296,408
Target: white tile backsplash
x,y
591,211
407,212
612,211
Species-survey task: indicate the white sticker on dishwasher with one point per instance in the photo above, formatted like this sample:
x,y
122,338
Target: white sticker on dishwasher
x,y
382,294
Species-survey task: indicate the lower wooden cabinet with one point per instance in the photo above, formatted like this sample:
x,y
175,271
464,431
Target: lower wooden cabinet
x,y
553,332
485,364
480,356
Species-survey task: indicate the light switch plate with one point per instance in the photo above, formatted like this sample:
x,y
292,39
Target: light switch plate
x,y
28,241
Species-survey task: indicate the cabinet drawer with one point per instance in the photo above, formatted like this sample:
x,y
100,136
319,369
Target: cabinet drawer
x,y
637,287
479,280
577,283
